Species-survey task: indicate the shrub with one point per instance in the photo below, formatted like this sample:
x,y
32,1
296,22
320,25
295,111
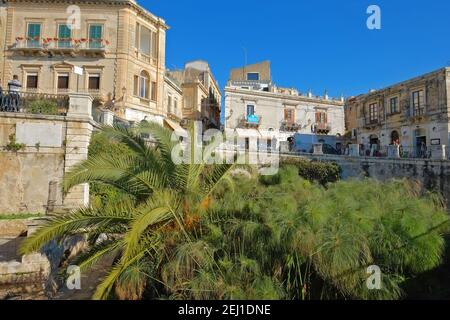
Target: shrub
x,y
43,107
321,172
13,145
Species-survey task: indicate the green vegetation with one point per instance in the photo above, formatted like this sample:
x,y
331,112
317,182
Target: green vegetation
x,y
103,193
156,198
43,106
193,232
19,216
321,172
13,145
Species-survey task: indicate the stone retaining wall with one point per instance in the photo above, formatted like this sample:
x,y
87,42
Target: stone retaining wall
x,y
30,178
433,175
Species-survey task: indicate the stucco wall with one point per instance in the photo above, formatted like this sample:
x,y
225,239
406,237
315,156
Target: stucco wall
x,y
270,107
26,178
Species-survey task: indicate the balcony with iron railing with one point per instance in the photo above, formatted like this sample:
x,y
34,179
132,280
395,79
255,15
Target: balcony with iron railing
x,y
34,103
369,122
290,126
145,57
250,122
62,46
322,127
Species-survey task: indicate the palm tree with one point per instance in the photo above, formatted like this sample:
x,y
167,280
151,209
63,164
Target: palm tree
x,y
157,199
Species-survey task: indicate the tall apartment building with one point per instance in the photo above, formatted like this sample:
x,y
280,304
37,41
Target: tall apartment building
x,y
413,113
202,99
255,107
119,45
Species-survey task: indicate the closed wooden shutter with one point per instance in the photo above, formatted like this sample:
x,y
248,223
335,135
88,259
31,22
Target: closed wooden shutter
x,y
136,86
154,45
94,82
95,36
63,81
32,81
154,93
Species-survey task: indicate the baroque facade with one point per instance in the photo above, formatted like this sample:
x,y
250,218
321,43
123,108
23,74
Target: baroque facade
x,y
202,99
413,114
119,45
255,107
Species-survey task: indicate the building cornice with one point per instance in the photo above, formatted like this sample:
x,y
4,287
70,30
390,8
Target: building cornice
x,y
396,87
130,3
299,99
173,84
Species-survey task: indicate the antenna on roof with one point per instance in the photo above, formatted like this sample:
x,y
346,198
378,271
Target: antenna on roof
x,y
245,55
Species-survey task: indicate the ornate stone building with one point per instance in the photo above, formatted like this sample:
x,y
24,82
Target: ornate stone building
x,y
118,44
255,107
202,99
413,113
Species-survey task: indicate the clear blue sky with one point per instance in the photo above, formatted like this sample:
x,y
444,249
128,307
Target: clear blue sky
x,y
317,44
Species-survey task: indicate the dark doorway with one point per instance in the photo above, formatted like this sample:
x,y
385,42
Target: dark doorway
x,y
395,138
421,147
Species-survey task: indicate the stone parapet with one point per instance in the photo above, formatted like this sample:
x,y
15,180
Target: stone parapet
x,y
50,146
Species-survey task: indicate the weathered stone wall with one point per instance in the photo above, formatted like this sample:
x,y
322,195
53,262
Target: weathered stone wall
x,y
30,178
25,277
433,175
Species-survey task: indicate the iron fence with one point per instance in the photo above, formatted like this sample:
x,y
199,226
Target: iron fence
x,y
386,152
34,102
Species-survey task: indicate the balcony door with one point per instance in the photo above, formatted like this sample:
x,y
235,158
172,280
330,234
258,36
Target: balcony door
x,y
250,110
95,36
64,36
33,35
289,116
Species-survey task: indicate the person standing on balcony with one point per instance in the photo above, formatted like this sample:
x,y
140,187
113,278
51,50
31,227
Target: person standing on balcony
x,y
14,87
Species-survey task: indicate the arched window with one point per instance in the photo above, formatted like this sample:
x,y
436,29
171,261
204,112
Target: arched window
x,y
144,85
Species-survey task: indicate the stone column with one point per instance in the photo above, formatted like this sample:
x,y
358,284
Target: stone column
x,y
394,151
78,136
107,117
438,152
80,105
318,149
353,150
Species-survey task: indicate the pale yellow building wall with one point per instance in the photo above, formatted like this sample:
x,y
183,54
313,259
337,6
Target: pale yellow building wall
x,y
434,123
240,74
118,67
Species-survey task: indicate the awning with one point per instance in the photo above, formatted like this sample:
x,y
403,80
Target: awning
x,y
176,128
248,133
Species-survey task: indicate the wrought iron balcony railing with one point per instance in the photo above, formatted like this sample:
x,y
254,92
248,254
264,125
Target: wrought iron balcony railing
x,y
322,127
54,45
290,126
252,121
35,103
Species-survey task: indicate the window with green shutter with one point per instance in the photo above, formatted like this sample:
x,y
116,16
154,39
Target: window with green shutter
x,y
34,35
64,36
95,36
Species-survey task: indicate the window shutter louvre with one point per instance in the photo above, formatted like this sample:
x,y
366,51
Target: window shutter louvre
x,y
154,45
